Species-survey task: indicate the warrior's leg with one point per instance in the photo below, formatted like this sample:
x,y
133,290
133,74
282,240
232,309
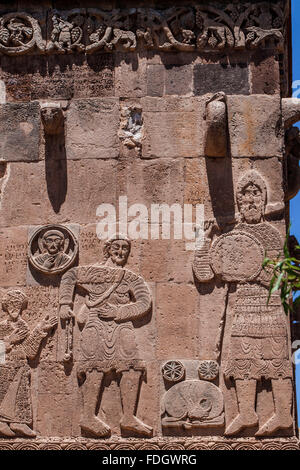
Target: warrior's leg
x,y
282,418
22,429
5,430
247,417
129,388
89,422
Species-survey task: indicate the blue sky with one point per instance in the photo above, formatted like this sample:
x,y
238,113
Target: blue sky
x,y
295,203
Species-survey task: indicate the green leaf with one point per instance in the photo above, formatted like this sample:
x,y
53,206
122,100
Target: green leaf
x,y
277,284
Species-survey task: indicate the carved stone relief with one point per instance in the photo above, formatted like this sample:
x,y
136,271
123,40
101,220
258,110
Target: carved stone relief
x,y
189,403
115,297
21,346
67,32
258,343
52,249
52,118
20,33
204,27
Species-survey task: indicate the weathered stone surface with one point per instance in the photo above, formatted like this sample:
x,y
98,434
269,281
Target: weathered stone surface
x,y
172,324
264,74
251,119
147,340
91,129
20,130
211,78
52,188
62,77
177,122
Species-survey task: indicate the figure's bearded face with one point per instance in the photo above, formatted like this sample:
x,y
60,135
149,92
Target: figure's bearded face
x,y
119,252
53,244
251,204
14,308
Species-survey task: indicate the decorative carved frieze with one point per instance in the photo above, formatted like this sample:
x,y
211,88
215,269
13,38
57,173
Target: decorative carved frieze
x,y
153,444
184,28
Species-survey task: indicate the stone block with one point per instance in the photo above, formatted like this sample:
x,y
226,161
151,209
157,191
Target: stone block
x,y
211,78
20,131
265,78
53,189
255,126
175,304
173,127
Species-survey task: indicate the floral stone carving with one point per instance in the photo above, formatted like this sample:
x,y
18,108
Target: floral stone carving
x,y
205,27
208,370
173,371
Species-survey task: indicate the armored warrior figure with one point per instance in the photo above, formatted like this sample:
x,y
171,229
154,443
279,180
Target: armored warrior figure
x,y
115,297
20,345
258,346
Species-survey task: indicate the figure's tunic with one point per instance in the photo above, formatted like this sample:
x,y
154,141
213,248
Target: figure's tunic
x,y
45,260
259,338
15,394
108,344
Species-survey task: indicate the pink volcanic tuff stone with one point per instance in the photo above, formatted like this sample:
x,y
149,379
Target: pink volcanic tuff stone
x,y
140,343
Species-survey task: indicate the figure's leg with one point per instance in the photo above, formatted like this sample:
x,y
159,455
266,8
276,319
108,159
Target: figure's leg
x,y
5,430
89,422
247,417
282,418
22,429
129,388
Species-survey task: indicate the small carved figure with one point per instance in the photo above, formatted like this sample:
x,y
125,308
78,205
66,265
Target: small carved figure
x,y
214,33
153,28
20,345
52,118
258,340
66,35
54,252
115,297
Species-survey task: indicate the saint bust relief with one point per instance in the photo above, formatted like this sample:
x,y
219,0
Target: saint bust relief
x,y
52,249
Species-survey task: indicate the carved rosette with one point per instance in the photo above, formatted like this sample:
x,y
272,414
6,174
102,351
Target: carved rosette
x,y
208,370
52,249
173,371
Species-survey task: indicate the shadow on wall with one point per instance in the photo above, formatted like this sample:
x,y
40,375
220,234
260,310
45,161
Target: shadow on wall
x,y
56,168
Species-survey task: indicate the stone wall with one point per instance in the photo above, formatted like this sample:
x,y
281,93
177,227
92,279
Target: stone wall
x,y
168,104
